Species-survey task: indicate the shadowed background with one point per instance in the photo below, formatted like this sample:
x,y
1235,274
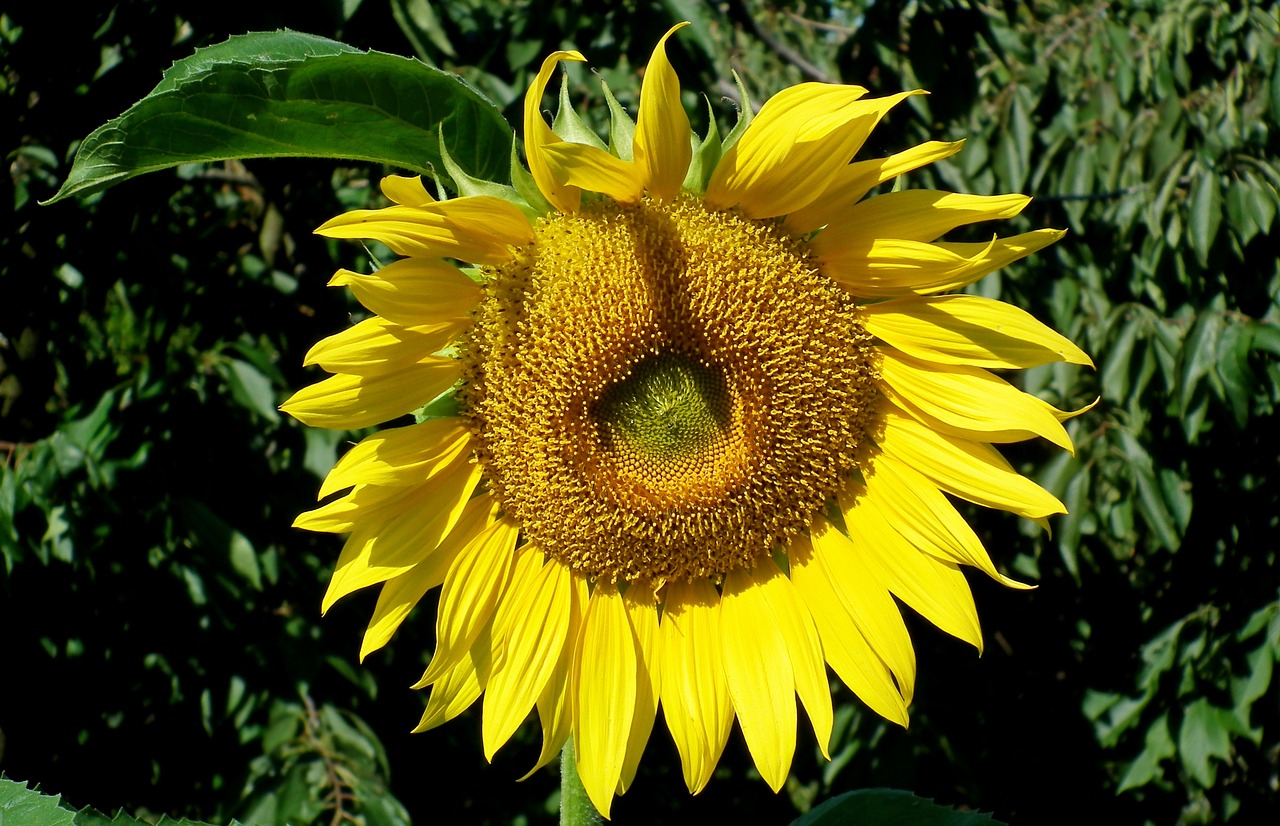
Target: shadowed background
x,y
162,647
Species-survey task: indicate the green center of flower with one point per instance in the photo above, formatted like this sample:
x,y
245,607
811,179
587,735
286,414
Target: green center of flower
x,y
670,408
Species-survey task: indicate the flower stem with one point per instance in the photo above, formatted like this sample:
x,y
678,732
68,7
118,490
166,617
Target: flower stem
x,y
576,808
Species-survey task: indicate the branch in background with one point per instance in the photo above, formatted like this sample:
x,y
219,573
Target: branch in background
x,y
784,51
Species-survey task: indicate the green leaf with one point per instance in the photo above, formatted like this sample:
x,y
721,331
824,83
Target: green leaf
x,y
1245,691
622,128
27,807
705,156
1205,734
1266,337
1146,767
214,532
251,389
1242,205
1232,367
21,806
1205,214
416,17
466,185
1115,368
284,94
1150,497
888,807
1199,353
1070,526
568,124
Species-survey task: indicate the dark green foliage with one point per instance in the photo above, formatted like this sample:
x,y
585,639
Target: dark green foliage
x,y
888,806
163,652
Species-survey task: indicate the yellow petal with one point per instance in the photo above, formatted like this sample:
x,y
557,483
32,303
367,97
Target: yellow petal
x,y
477,228
865,597
414,291
925,517
596,170
401,456
459,686
971,470
537,136
968,329
368,504
528,561
758,671
530,629
934,589
855,180
396,599
843,644
643,611
470,592
695,698
800,140
377,345
889,267
377,552
804,649
346,402
604,700
968,402
406,191
554,712
912,215
661,147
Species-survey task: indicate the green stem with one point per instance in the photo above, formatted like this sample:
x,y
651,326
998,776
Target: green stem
x,y
576,808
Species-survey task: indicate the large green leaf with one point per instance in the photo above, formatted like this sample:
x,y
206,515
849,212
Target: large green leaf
x,y
285,94
888,807
20,805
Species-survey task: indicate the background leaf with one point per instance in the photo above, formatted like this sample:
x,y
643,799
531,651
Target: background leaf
x,y
293,95
888,807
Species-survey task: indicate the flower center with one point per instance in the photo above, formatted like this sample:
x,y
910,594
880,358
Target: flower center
x,y
663,391
670,409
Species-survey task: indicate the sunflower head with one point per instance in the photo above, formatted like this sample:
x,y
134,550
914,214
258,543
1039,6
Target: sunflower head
x,y
668,379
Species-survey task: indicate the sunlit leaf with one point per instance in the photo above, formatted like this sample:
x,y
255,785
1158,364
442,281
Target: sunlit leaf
x,y
285,94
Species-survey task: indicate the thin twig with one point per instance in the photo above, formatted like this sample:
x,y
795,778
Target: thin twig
x,y
336,795
784,51
819,25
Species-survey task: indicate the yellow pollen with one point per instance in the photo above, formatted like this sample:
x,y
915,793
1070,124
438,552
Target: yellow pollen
x,y
661,391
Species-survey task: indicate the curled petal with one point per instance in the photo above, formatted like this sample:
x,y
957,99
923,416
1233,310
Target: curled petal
x,y
798,142
587,167
890,267
406,191
538,135
661,146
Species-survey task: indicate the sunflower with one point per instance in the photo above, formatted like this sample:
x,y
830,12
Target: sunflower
x,y
687,425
